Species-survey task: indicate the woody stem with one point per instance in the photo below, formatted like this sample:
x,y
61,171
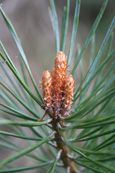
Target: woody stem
x,y
65,150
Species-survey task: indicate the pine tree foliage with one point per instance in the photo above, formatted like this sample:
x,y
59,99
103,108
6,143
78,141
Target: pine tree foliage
x,y
88,133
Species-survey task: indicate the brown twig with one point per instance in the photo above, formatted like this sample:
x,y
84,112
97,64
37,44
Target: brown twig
x,y
42,117
65,150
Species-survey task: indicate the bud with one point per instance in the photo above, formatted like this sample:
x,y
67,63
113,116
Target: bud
x,y
68,92
59,75
47,89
